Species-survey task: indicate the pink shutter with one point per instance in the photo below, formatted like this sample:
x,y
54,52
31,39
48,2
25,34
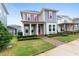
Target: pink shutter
x,y
31,17
37,17
25,16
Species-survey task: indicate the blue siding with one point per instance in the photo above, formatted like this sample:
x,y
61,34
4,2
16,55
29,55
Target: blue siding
x,y
53,20
46,16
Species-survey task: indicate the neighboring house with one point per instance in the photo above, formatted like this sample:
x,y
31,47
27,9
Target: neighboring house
x,y
66,23
3,14
76,20
39,22
14,29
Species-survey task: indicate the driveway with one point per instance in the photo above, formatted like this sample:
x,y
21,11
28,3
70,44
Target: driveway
x,y
69,49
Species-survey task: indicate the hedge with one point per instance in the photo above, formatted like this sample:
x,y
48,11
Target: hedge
x,y
32,37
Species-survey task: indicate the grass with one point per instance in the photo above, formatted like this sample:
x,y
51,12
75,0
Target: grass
x,y
27,48
67,39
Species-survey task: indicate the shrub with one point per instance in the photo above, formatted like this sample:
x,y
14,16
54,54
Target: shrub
x,y
58,34
52,35
26,36
5,36
32,37
20,33
62,34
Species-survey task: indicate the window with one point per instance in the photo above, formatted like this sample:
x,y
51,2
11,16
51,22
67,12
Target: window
x,y
32,30
26,30
35,17
28,16
50,15
32,17
49,27
25,16
53,27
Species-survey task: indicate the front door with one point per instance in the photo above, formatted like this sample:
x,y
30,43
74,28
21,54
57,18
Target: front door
x,y
39,30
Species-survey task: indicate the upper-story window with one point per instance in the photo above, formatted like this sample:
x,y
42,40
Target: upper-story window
x,y
28,17
25,16
35,17
0,13
31,17
50,15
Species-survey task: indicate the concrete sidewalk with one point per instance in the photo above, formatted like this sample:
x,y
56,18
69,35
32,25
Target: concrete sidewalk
x,y
69,49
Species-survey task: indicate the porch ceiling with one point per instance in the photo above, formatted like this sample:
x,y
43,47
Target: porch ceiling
x,y
68,23
33,22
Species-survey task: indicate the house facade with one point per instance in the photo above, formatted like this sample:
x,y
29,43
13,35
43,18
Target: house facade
x,y
39,22
3,14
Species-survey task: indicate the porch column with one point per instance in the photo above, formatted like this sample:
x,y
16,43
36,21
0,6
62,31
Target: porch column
x,y
30,30
73,27
36,29
44,29
64,27
23,30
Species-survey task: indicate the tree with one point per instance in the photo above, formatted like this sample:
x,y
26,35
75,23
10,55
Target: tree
x,y
5,36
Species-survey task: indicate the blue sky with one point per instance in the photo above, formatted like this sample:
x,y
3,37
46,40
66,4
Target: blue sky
x,y
14,9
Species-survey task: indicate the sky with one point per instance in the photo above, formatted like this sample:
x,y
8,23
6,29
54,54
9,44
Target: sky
x,y
14,17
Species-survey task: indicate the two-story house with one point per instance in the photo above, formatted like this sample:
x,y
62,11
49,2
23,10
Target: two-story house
x,y
39,22
3,14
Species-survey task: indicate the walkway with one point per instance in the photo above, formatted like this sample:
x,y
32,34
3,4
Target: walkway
x,y
69,49
53,41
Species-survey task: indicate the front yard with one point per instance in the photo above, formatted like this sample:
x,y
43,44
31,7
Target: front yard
x,y
27,48
67,38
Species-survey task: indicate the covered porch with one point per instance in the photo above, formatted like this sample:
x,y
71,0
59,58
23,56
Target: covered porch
x,y
33,29
68,27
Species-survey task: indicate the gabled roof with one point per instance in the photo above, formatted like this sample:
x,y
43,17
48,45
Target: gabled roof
x,y
4,8
38,12
64,19
74,19
30,11
49,9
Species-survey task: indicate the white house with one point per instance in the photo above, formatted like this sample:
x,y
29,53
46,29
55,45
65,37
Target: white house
x,y
66,23
76,20
3,14
39,22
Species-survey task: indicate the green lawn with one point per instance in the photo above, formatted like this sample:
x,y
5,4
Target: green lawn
x,y
27,48
67,38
